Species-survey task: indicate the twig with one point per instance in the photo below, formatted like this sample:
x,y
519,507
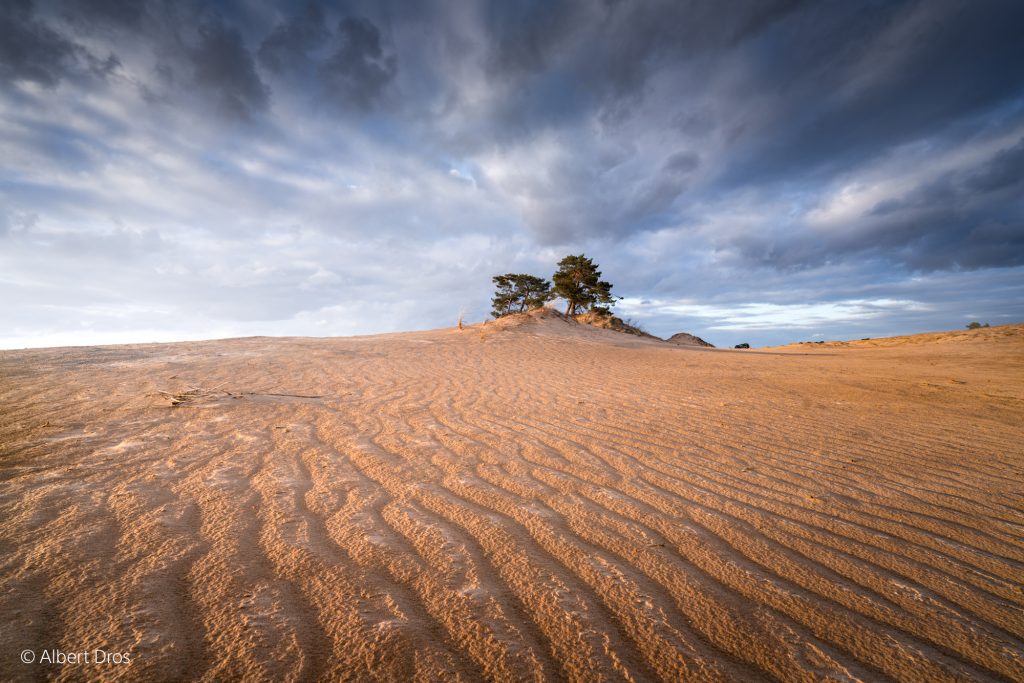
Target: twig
x,y
179,397
265,393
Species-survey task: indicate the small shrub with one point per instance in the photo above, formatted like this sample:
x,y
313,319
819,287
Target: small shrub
x,y
632,322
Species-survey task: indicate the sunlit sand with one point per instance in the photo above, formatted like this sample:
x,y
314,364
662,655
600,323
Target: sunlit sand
x,y
530,499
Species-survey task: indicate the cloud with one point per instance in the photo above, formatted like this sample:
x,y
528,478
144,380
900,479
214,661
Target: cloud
x,y
31,51
359,70
280,165
123,14
970,218
538,38
858,82
287,49
768,316
225,72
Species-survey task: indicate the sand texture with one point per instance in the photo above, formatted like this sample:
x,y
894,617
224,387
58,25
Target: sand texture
x,y
526,501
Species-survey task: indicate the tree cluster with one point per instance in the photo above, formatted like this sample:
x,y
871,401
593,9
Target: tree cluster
x,y
577,281
517,292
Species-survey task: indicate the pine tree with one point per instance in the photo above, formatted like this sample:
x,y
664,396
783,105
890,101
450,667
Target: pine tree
x,y
504,295
579,282
534,291
517,292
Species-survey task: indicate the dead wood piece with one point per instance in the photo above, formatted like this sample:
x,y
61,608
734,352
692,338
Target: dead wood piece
x,y
193,393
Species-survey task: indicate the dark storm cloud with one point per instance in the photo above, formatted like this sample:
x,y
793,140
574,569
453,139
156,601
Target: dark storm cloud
x,y
615,45
98,13
359,69
225,71
855,80
560,63
1004,171
30,50
288,47
653,199
682,163
812,90
525,34
967,219
349,67
1000,178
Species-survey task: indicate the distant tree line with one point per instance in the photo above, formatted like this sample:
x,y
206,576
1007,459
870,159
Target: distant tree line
x,y
577,281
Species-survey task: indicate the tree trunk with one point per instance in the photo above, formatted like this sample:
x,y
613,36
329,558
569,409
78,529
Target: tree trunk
x,y
568,309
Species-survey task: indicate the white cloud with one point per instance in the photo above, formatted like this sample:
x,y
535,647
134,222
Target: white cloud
x,y
769,316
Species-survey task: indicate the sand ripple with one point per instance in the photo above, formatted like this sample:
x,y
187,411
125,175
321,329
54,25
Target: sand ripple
x,y
537,503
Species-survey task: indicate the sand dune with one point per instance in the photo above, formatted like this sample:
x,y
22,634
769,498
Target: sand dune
x,y
1002,333
528,500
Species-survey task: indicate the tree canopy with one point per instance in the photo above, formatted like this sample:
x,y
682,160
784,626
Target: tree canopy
x,y
517,292
579,282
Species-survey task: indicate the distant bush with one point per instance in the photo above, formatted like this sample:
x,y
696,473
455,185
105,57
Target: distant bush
x,y
742,346
976,325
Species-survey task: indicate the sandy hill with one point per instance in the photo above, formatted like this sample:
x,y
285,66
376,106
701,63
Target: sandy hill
x,y
547,321
529,499
1003,334
687,339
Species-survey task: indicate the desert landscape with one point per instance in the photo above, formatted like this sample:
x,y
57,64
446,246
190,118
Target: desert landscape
x,y
527,499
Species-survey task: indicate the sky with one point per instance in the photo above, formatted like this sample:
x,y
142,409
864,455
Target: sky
x,y
763,172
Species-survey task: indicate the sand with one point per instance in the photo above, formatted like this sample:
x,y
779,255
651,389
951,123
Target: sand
x,y
524,501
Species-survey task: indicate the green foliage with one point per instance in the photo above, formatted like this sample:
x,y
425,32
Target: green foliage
x,y
976,325
535,291
517,292
579,282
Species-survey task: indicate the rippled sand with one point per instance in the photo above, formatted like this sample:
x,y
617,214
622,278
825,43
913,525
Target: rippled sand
x,y
533,502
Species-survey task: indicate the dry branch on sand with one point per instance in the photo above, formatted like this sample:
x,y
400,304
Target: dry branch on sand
x,y
191,394
178,398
